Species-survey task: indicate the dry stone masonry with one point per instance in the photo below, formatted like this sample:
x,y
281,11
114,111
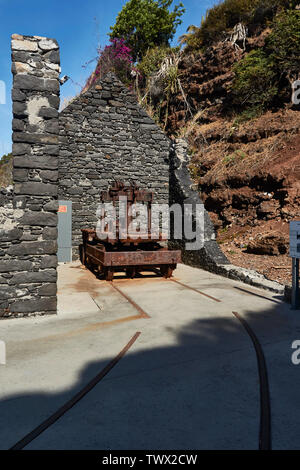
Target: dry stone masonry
x,y
181,192
105,136
28,213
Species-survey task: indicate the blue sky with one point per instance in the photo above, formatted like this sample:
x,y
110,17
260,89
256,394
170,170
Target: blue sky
x,y
79,26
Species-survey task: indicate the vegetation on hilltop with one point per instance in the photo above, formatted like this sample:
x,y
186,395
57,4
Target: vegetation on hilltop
x,y
263,77
140,54
6,170
220,19
144,24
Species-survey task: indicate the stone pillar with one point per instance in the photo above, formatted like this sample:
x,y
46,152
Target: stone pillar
x,y
35,95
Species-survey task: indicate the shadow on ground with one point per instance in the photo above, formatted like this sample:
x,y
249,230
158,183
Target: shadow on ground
x,y
200,392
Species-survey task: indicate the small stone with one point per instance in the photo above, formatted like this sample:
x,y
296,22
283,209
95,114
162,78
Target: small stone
x,y
24,45
21,149
48,45
49,262
17,36
20,67
10,235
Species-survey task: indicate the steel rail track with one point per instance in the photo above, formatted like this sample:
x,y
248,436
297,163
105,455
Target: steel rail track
x,y
265,442
129,299
265,434
69,404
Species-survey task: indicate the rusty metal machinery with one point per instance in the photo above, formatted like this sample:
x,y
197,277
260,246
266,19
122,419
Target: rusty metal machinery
x,y
117,252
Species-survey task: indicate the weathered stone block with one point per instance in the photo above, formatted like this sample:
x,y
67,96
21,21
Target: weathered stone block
x,y
41,219
42,162
21,149
19,56
54,101
14,265
48,289
29,82
20,174
53,56
19,109
36,188
51,206
24,45
48,44
17,125
48,175
52,85
7,292
10,235
17,95
35,305
48,262
48,113
47,247
46,275
35,138
52,126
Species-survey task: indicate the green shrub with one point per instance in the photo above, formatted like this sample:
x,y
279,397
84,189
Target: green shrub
x,y
5,159
255,84
147,23
6,170
218,21
283,44
263,73
152,60
247,115
221,18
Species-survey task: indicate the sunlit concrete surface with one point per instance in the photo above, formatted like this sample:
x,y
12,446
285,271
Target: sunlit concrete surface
x,y
190,381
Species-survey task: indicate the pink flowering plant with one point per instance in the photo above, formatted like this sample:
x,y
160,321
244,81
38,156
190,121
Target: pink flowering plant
x,y
115,57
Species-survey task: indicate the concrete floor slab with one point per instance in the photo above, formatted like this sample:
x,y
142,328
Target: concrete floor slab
x,y
189,381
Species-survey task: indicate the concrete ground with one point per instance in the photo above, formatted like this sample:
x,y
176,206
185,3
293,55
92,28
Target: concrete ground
x,y
190,381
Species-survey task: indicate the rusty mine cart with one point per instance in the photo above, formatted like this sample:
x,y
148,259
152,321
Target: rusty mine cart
x,y
116,253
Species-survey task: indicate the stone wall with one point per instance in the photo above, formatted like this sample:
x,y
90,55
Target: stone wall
x,y
28,213
181,192
105,136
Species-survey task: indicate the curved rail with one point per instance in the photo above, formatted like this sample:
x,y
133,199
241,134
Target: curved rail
x,y
69,404
265,405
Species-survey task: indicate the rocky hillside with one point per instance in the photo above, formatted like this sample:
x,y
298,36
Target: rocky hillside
x,y
247,170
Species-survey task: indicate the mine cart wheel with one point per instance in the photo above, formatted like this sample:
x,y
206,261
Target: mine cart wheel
x,y
109,274
87,262
130,272
167,271
99,270
82,253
